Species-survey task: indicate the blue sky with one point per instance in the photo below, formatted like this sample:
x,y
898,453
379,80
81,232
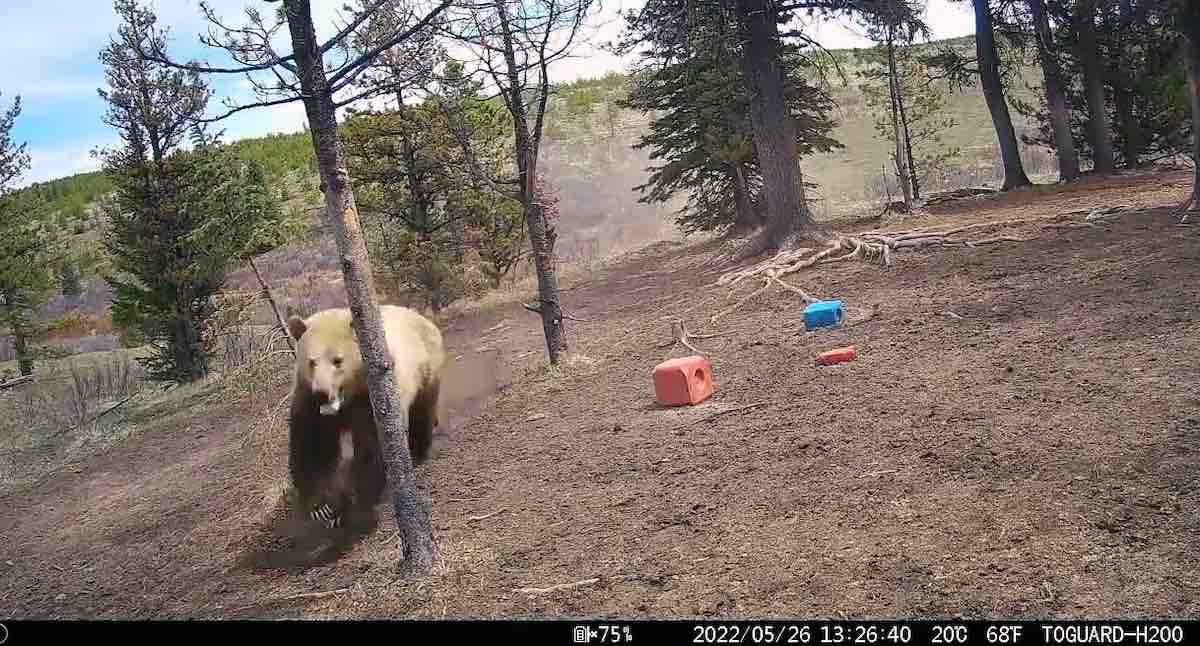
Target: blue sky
x,y
51,50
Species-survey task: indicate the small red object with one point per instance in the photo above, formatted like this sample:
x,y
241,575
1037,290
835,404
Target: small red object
x,y
683,381
838,355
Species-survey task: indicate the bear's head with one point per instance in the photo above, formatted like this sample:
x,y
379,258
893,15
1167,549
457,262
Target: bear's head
x,y
328,361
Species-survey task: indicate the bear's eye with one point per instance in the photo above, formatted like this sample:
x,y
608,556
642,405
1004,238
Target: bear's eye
x,y
312,363
337,362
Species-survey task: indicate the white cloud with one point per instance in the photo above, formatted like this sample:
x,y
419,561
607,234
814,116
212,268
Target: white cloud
x,y
51,163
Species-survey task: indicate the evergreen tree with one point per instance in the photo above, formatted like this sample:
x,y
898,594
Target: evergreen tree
x,y
70,281
1053,85
702,130
756,31
908,105
1140,106
177,217
31,246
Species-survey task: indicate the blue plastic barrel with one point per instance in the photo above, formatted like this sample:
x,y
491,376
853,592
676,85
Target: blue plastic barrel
x,y
823,314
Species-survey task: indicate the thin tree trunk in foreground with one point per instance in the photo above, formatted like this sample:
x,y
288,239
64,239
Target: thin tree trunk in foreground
x,y
1056,100
774,132
993,92
1191,33
412,519
1122,82
549,307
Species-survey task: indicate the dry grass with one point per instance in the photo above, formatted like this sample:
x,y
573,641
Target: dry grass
x,y
71,411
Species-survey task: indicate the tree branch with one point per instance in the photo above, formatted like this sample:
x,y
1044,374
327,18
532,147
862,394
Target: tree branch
x,y
367,57
261,104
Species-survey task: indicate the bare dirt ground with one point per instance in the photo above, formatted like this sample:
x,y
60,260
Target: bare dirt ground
x,y
1019,437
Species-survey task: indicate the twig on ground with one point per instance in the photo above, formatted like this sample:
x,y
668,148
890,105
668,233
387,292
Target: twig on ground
x,y
537,309
16,381
97,416
722,412
314,595
487,516
734,410
560,586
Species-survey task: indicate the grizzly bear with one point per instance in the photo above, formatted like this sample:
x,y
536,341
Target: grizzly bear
x,y
335,454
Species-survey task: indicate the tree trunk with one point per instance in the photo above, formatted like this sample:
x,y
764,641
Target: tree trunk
x,y
1093,81
1191,33
993,92
745,219
774,132
186,364
20,334
910,164
541,241
20,345
189,362
541,232
1056,100
391,412
903,169
1122,82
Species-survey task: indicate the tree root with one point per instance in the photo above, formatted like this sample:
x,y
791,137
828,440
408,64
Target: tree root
x,y
680,335
876,247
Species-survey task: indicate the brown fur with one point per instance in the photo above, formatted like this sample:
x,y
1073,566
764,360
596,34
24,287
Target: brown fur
x,y
314,450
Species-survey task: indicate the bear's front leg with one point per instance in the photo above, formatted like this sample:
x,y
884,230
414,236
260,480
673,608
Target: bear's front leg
x,y
337,492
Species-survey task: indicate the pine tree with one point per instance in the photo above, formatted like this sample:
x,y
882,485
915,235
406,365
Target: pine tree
x,y
701,130
909,111
1143,104
176,217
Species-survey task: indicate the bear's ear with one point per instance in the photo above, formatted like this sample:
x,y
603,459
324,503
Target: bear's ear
x,y
296,326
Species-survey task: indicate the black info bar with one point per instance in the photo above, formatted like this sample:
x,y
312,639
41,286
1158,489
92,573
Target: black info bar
x,y
665,632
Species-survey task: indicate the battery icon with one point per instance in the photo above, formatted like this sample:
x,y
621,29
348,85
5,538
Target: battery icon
x,y
581,635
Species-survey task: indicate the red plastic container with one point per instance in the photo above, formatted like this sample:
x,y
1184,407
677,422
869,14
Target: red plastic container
x,y
838,355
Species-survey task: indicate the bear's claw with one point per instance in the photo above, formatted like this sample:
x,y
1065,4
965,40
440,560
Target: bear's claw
x,y
325,515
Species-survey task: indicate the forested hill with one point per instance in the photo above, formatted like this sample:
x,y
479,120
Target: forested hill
x,y
585,114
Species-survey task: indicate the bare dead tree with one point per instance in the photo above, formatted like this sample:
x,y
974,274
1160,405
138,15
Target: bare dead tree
x,y
511,45
323,76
